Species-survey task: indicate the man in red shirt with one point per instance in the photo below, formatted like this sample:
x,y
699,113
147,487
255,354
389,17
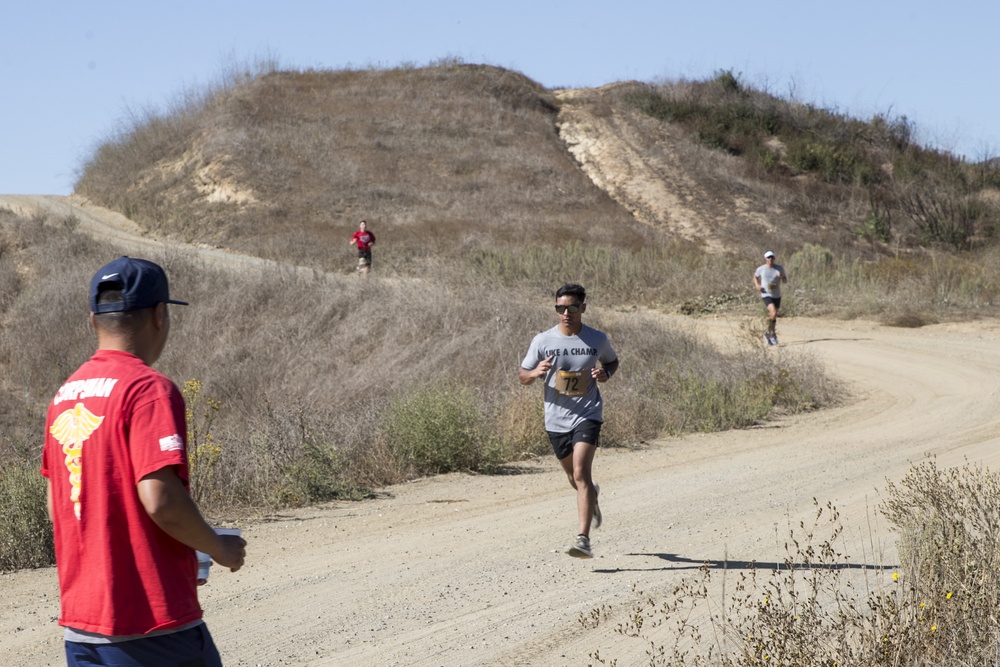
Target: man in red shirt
x,y
364,239
115,456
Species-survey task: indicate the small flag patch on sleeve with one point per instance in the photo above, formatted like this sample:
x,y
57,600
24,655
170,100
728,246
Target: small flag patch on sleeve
x,y
171,443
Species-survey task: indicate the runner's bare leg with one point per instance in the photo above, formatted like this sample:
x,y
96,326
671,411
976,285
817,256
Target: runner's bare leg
x,y
578,469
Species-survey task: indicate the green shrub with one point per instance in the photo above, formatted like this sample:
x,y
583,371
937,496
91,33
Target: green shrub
x,y
283,456
25,530
877,225
438,429
728,81
813,258
714,404
833,163
650,102
317,475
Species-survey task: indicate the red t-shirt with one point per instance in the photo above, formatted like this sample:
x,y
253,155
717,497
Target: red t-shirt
x,y
364,239
114,421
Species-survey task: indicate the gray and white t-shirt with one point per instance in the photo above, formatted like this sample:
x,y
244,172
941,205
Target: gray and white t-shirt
x,y
770,279
571,394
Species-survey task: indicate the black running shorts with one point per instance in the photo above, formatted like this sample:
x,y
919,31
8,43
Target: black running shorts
x,y
588,431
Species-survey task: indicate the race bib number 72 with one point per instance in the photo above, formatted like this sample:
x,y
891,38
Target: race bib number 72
x,y
572,383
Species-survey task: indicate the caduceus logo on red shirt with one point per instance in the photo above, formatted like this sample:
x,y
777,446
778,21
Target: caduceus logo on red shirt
x,y
71,429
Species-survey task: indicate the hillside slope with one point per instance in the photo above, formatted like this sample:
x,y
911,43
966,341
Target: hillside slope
x,y
640,164
444,159
456,158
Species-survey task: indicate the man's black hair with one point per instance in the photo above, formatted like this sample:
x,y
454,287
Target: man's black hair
x,y
118,321
572,289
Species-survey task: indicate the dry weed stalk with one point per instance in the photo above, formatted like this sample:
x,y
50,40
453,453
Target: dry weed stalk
x,y
818,607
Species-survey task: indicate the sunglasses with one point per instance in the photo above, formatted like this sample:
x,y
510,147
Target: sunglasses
x,y
573,310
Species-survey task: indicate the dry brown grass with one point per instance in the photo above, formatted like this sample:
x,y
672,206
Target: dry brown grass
x,y
461,173
302,386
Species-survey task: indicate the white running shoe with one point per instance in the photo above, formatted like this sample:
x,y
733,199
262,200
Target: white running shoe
x,y
580,547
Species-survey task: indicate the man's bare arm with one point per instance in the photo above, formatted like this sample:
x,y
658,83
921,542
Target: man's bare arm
x,y
526,376
171,507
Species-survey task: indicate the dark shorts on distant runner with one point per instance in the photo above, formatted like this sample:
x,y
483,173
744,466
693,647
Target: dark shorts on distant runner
x,y
588,431
768,300
365,258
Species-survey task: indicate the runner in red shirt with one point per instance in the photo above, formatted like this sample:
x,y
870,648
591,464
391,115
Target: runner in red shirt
x,y
116,461
364,239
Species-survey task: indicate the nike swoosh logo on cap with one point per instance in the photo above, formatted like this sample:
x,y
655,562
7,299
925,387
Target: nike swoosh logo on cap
x,y
110,275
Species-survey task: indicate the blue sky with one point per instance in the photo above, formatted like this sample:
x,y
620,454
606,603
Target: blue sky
x,y
69,71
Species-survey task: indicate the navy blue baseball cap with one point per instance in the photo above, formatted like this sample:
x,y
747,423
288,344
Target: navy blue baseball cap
x,y
143,284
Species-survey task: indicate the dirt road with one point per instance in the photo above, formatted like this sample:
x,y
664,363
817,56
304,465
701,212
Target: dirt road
x,y
466,570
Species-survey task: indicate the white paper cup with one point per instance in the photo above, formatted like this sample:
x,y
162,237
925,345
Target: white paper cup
x,y
205,561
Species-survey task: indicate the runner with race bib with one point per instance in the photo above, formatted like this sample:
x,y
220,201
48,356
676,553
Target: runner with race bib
x,y
572,359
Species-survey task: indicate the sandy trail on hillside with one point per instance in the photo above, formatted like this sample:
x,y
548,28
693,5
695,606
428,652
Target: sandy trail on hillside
x,y
130,238
469,570
657,191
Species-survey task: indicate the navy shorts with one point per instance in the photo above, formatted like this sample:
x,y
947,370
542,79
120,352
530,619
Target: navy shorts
x,y
188,648
588,431
768,300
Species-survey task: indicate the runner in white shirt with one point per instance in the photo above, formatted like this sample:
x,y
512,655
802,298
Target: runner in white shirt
x,y
767,280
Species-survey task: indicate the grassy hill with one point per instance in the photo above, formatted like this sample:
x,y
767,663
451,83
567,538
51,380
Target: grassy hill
x,y
662,195
439,161
457,158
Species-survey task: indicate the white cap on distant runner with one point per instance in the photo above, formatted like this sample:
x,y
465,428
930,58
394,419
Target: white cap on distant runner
x,y
769,253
